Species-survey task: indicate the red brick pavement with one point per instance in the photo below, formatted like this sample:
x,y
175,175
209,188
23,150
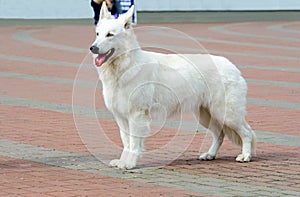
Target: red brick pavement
x,y
24,178
274,166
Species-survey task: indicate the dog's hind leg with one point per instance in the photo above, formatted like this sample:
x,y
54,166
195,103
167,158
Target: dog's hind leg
x,y
248,142
218,136
203,116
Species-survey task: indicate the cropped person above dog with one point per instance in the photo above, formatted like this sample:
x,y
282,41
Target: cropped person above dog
x,y
114,7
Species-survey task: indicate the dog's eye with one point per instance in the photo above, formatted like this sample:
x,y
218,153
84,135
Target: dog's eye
x,y
97,33
109,34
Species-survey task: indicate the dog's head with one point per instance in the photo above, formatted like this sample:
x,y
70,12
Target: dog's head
x,y
111,35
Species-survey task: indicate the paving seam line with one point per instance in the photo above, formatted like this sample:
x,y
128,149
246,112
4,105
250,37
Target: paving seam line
x,y
62,63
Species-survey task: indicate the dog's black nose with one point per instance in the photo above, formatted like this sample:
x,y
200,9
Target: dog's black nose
x,y
94,49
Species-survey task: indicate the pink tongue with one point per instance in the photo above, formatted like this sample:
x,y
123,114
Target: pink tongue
x,y
99,60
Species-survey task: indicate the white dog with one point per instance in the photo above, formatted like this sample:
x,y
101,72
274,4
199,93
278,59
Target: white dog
x,y
137,84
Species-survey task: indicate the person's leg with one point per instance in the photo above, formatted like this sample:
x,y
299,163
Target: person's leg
x,y
96,7
118,6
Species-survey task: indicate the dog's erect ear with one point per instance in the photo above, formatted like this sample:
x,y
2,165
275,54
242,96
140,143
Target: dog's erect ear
x,y
127,17
104,13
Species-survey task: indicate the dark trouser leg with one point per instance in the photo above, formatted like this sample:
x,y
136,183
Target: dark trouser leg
x,y
96,7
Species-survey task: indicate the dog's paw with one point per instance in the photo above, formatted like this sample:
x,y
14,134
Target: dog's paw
x,y
207,157
123,165
243,158
114,163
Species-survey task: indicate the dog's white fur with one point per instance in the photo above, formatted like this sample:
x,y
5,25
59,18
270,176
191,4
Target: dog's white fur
x,y
134,81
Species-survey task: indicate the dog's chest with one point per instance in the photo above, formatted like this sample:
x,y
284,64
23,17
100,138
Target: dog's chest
x,y
116,100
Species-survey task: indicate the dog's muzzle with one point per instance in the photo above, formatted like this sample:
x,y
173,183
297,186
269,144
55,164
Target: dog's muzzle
x,y
94,49
101,57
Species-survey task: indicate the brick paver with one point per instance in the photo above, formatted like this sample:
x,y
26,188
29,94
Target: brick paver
x,y
42,153
26,178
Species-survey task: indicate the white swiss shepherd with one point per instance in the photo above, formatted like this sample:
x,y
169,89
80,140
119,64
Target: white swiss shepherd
x,y
138,84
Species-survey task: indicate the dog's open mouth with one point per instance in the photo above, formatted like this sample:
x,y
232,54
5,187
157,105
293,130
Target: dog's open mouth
x,y
102,58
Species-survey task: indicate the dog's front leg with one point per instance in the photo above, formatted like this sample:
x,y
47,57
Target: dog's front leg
x,y
139,127
124,133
